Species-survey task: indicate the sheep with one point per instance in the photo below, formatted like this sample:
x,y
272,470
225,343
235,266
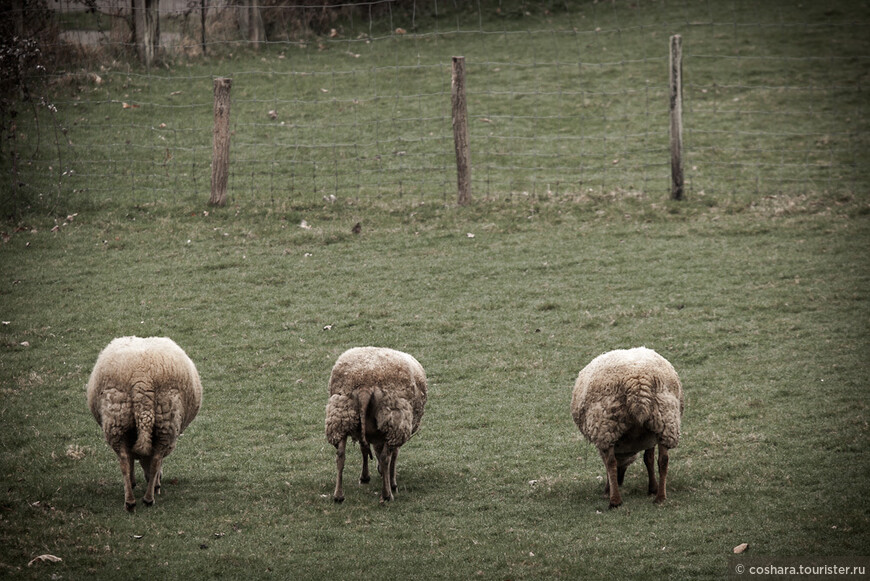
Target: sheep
x,y
626,401
377,396
143,393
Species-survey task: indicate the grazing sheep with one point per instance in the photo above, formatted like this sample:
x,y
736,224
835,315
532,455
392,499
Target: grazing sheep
x,y
626,401
384,391
143,393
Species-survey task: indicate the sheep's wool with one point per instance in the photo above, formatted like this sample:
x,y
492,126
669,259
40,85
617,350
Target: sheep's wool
x,y
398,394
624,389
149,386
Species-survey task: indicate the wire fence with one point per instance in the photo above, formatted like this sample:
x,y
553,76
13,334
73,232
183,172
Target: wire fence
x,y
564,99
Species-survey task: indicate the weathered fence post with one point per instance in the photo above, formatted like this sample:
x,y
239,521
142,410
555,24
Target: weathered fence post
x,y
220,158
676,92
460,132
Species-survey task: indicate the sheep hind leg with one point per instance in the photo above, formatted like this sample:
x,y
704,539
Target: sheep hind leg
x,y
663,474
612,489
338,495
365,475
649,460
393,485
132,470
385,457
153,472
125,458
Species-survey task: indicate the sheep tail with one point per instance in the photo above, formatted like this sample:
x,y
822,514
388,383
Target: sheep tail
x,y
143,413
365,397
641,399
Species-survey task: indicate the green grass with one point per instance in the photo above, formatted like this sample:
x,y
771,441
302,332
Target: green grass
x,y
756,288
570,99
764,316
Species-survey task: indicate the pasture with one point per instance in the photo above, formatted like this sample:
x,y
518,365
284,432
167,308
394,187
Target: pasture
x,y
758,298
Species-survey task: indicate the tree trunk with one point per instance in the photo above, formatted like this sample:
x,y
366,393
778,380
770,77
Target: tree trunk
x,y
255,24
137,25
203,8
151,34
18,15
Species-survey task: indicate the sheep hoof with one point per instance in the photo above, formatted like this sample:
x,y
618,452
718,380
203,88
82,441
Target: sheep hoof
x,y
614,505
659,500
130,506
364,479
148,502
338,499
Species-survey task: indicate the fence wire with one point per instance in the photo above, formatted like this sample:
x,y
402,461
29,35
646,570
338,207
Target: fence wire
x,y
565,99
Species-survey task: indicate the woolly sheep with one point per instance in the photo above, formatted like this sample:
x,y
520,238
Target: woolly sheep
x,y
143,393
626,401
383,390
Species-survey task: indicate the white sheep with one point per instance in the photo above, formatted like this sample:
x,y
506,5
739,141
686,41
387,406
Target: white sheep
x,y
626,401
383,390
143,393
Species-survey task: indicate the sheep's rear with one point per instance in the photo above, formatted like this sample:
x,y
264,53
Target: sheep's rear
x,y
143,393
625,402
377,397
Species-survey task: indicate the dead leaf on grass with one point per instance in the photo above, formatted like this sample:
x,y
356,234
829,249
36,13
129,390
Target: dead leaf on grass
x,y
740,548
45,559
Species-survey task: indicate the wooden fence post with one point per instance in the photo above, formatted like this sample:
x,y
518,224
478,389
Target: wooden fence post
x,y
220,158
676,90
460,132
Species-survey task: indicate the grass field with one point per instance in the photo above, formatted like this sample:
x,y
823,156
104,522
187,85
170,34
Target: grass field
x,y
761,302
563,98
765,318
